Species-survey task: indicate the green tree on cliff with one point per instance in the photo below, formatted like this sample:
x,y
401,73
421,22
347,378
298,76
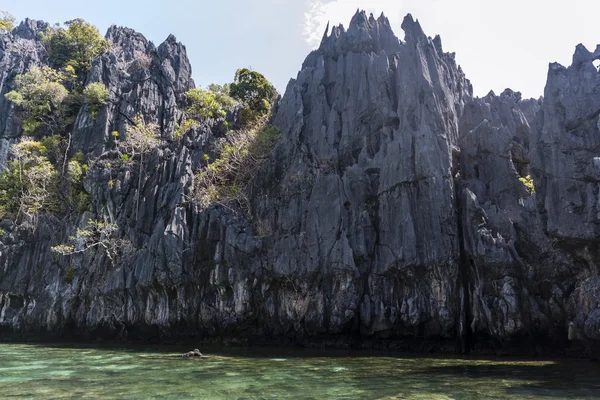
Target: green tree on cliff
x,y
75,46
40,94
7,22
252,89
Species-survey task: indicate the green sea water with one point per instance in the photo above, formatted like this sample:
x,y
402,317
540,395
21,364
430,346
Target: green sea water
x,y
67,372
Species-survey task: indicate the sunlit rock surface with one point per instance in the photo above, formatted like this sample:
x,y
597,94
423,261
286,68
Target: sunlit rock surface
x,y
392,212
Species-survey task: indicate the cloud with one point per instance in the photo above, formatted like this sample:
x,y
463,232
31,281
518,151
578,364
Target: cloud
x,y
319,12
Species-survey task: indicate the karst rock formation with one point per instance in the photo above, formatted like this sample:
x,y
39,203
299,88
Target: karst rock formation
x,y
391,213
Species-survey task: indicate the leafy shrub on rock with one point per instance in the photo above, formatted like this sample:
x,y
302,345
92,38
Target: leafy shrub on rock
x,y
7,22
96,234
76,46
40,95
203,103
95,96
241,154
28,184
141,138
527,181
255,92
185,126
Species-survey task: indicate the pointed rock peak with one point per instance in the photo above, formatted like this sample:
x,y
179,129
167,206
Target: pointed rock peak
x,y
489,97
336,31
583,55
412,29
113,31
364,34
326,33
408,19
437,42
383,20
372,20
508,92
359,19
30,28
170,47
123,35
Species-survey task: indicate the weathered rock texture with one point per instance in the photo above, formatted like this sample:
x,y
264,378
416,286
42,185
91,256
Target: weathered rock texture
x,y
19,52
391,211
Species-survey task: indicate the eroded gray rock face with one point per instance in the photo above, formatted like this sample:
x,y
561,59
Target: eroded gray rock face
x,y
500,228
359,195
20,50
566,148
391,211
565,163
142,79
37,299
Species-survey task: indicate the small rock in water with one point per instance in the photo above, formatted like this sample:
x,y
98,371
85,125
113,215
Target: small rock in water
x,y
193,353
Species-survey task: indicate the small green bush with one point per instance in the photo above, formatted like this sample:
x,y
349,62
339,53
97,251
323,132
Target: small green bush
x,y
141,137
40,95
203,104
95,96
74,172
29,183
528,183
241,155
96,93
77,197
184,127
96,235
7,22
39,180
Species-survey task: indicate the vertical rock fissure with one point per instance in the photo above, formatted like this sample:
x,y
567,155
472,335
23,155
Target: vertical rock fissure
x,y
464,317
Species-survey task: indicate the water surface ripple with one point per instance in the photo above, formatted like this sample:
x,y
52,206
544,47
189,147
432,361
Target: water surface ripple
x,y
60,372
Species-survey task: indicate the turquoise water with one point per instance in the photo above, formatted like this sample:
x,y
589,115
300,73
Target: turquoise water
x,y
51,372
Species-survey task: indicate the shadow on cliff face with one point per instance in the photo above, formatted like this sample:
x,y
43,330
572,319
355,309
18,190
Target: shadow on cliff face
x,y
555,379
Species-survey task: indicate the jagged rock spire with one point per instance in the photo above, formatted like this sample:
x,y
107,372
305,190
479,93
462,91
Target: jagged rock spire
x,y
326,32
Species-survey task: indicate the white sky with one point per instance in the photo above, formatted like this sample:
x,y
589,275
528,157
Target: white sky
x,y
499,44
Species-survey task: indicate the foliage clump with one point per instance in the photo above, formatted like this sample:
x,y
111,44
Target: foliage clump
x,y
95,96
40,179
185,126
241,152
241,155
43,93
76,196
7,22
28,184
141,137
203,103
255,92
40,94
97,234
76,46
527,181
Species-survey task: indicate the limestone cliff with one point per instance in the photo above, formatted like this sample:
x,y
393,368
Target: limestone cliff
x,y
392,211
